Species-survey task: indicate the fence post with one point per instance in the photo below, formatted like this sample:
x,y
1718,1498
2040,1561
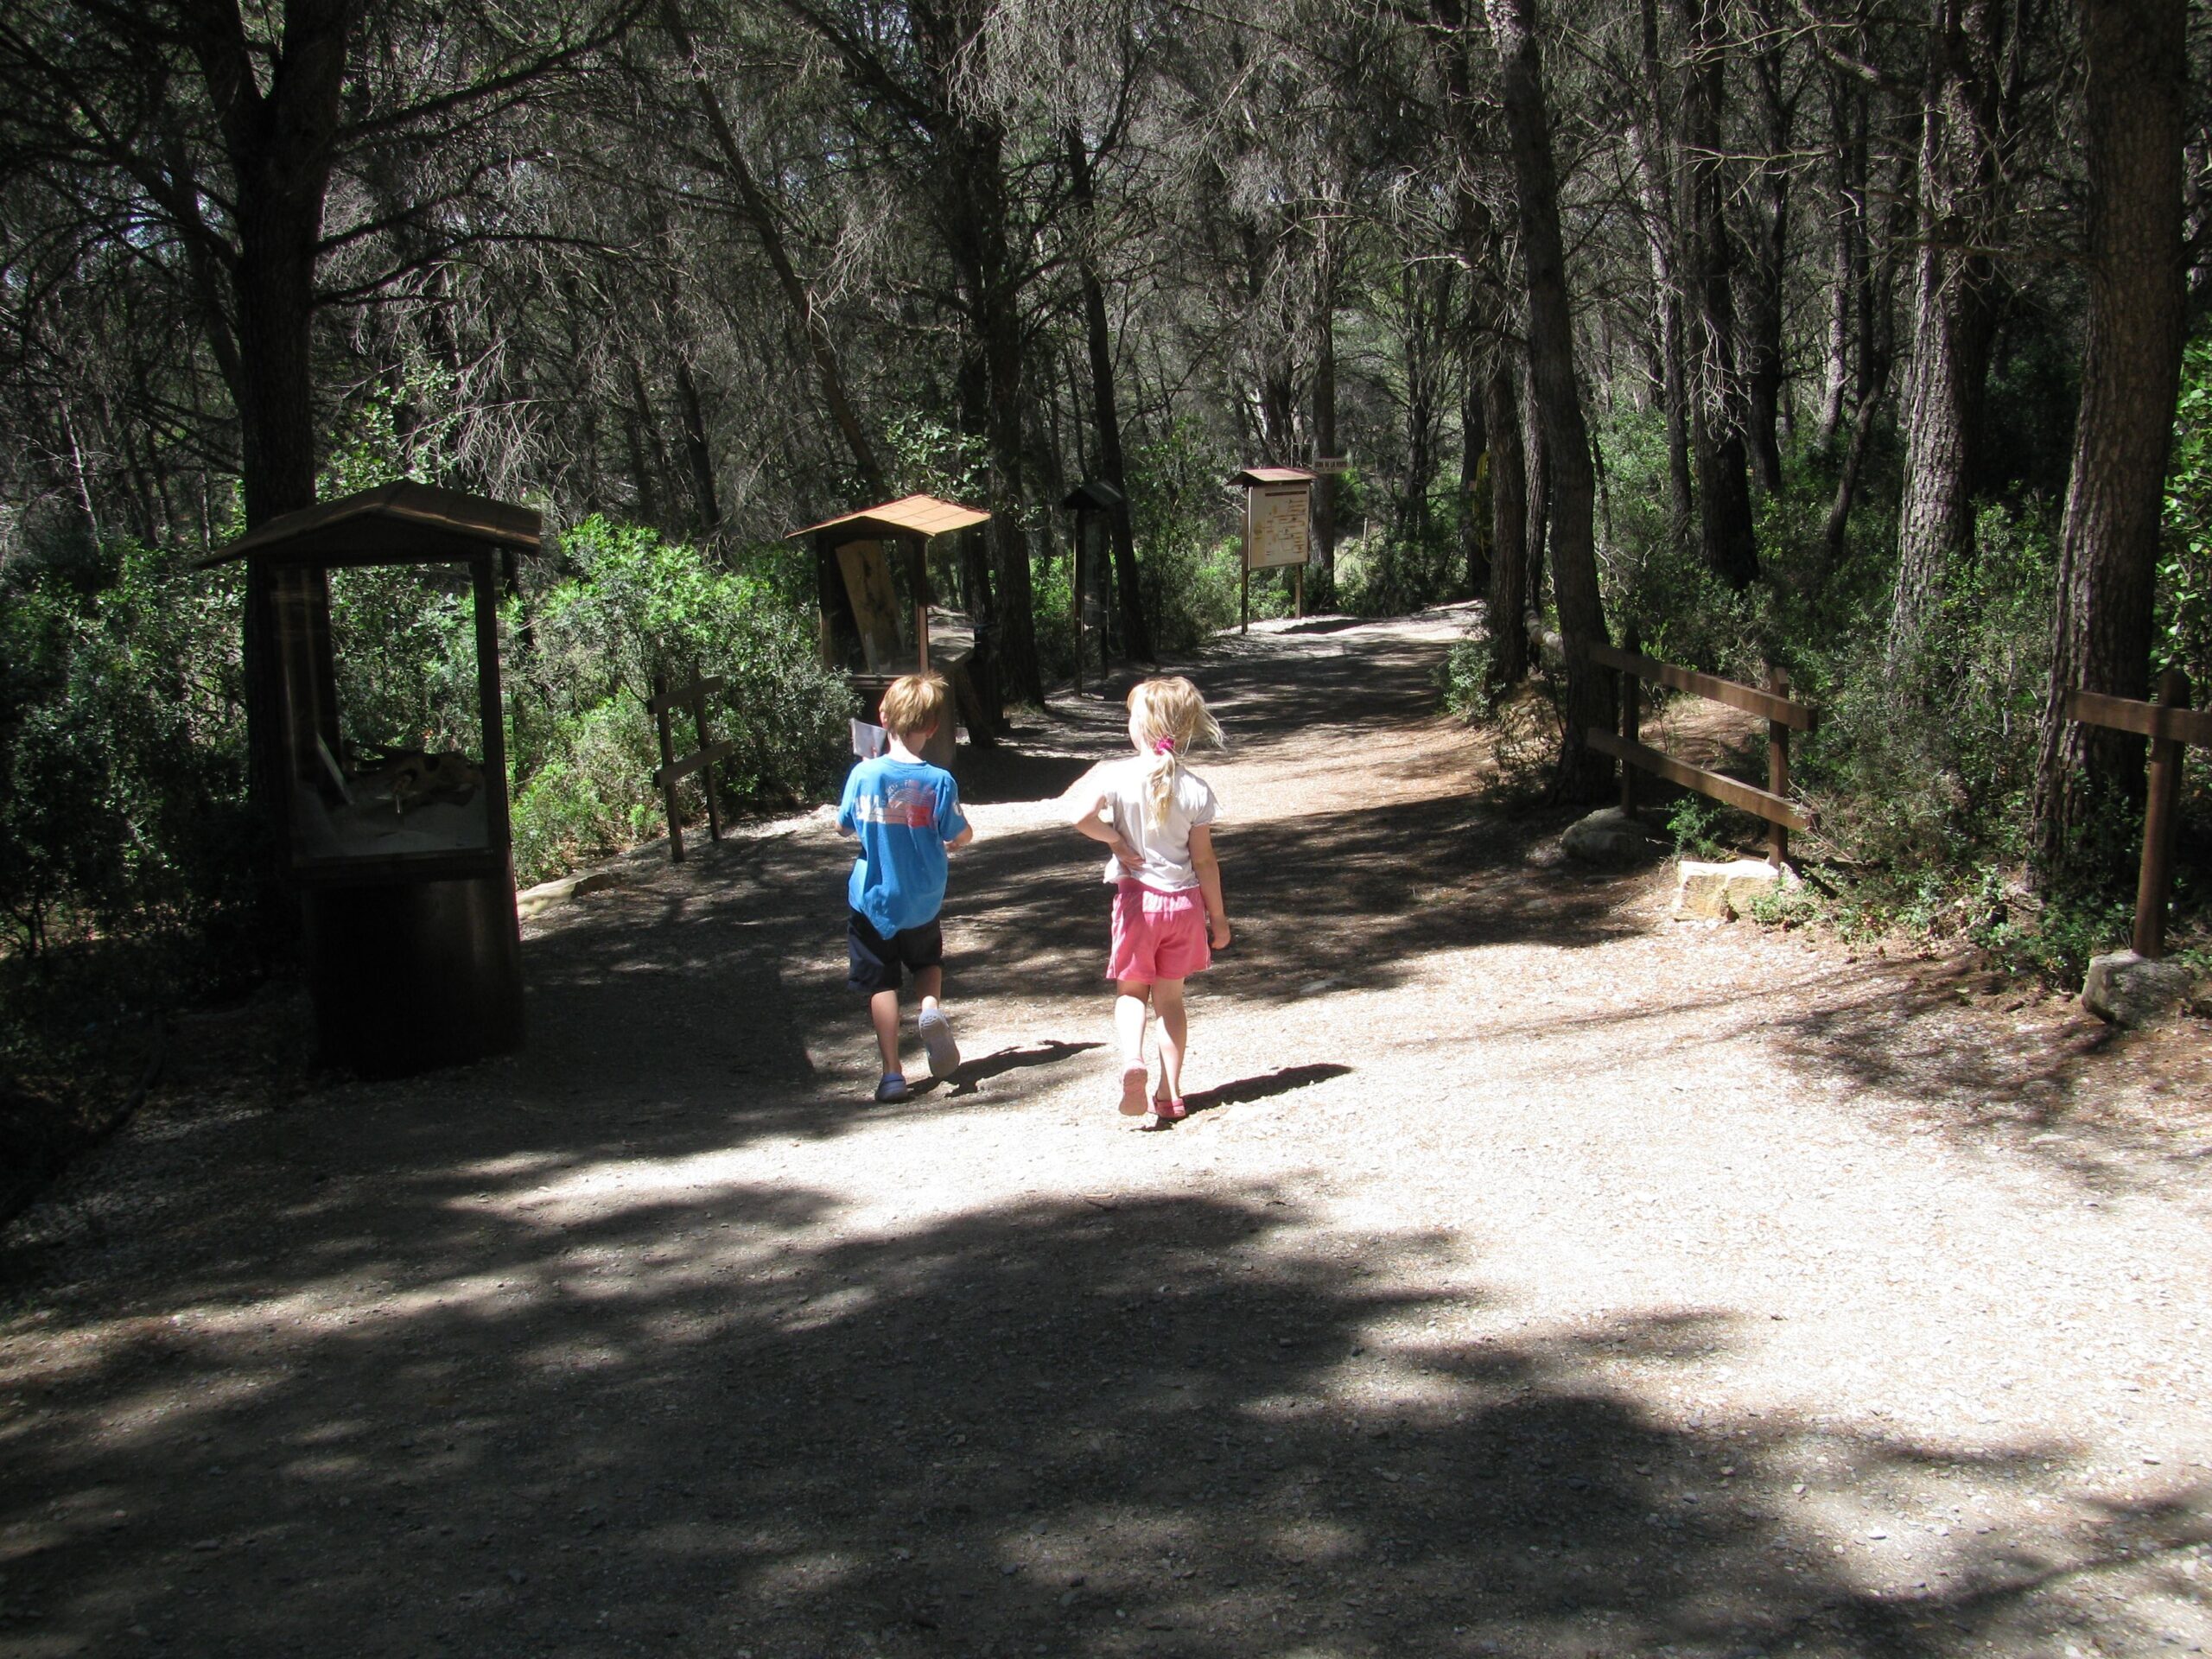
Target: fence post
x,y
707,771
667,760
2159,822
1631,719
1777,768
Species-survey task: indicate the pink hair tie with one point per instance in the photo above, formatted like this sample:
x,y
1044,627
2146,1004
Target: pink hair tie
x,y
1163,745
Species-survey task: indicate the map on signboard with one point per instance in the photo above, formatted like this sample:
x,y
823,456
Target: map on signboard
x,y
1276,532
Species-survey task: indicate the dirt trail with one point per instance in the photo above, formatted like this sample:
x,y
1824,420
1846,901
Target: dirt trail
x,y
1535,1277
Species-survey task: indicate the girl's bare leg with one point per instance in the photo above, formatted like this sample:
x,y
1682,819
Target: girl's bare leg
x,y
1174,1035
1131,1006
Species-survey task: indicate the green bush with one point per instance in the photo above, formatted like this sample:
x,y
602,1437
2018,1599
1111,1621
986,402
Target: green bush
x,y
631,605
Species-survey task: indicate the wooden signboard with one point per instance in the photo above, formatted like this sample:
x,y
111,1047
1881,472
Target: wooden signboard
x,y
875,604
1275,525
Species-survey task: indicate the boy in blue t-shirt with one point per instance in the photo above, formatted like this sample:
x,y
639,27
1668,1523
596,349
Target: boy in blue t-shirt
x,y
906,813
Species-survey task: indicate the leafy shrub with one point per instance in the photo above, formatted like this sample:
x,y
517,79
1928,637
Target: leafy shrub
x,y
632,605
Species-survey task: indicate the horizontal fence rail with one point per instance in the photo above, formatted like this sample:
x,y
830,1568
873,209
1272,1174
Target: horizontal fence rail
x,y
672,769
1773,703
2171,725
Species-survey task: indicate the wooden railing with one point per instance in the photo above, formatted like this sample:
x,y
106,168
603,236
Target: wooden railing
x,y
2171,725
1782,716
671,770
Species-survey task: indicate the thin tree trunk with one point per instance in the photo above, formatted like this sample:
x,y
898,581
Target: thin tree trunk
x,y
2137,96
1723,493
1764,367
1508,610
1847,113
1474,444
1655,171
1951,312
1325,408
1584,774
1136,634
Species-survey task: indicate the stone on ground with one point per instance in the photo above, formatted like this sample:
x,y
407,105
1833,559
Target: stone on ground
x,y
1608,837
2127,989
1722,892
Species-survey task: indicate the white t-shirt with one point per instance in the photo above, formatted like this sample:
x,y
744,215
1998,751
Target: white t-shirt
x,y
1167,845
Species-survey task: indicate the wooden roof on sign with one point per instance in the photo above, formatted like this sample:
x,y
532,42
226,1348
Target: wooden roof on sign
x,y
1094,494
1252,475
910,515
385,518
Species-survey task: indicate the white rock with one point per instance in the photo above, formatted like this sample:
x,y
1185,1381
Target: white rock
x,y
546,894
2125,989
1722,892
1607,836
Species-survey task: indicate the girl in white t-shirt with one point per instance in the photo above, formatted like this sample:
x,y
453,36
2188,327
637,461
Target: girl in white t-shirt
x,y
1155,816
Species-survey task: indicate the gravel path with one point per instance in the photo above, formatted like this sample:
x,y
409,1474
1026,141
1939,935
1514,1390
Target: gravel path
x,y
1536,1277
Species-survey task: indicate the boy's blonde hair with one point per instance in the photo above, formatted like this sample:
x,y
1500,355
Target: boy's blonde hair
x,y
1170,719
915,702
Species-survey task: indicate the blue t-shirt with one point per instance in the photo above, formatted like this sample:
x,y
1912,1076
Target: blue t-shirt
x,y
904,811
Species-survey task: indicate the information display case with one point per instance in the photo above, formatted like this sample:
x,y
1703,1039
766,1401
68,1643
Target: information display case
x,y
380,620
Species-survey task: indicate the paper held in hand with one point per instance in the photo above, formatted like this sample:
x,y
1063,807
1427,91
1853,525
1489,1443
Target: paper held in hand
x,y
868,742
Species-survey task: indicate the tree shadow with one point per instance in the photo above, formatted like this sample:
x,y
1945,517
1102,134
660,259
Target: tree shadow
x,y
702,1418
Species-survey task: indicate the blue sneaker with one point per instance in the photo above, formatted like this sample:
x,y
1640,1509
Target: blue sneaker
x,y
892,1086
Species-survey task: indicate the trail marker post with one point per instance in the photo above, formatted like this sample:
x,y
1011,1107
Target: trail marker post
x,y
1088,500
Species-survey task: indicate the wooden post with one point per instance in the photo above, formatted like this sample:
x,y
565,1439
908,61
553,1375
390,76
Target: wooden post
x,y
1075,592
706,773
918,578
1631,721
667,764
1777,768
2160,817
1244,591
1298,591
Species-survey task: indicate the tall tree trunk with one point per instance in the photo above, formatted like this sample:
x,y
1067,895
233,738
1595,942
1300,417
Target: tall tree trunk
x,y
1763,364
1136,634
1474,445
698,450
1584,774
1952,311
1847,113
280,146
1507,613
1723,492
813,327
1325,408
1537,496
1655,170
2136,98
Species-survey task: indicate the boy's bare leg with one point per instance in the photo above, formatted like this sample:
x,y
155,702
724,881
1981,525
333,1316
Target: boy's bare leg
x,y
930,984
1174,1034
883,1013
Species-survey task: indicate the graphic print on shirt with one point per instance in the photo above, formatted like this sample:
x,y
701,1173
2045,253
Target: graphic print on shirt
x,y
910,805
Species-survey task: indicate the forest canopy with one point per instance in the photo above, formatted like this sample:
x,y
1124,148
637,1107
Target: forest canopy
x,y
1852,338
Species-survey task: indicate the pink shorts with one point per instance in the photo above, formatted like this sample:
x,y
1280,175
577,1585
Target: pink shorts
x,y
1157,935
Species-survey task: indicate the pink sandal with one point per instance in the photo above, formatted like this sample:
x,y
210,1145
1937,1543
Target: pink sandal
x,y
1134,1078
1169,1107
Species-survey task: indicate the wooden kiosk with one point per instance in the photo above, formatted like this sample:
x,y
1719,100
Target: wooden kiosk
x,y
1278,529
874,611
394,774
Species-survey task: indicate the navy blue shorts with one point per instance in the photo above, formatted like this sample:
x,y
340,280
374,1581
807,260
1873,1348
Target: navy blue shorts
x,y
878,963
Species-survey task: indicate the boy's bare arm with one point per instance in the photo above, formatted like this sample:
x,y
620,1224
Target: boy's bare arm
x,y
966,834
1209,873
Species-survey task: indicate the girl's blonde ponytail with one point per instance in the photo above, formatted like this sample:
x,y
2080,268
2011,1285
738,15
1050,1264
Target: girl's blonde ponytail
x,y
1169,718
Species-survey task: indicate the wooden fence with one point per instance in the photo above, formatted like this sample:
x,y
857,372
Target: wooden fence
x,y
2171,725
673,770
1782,716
